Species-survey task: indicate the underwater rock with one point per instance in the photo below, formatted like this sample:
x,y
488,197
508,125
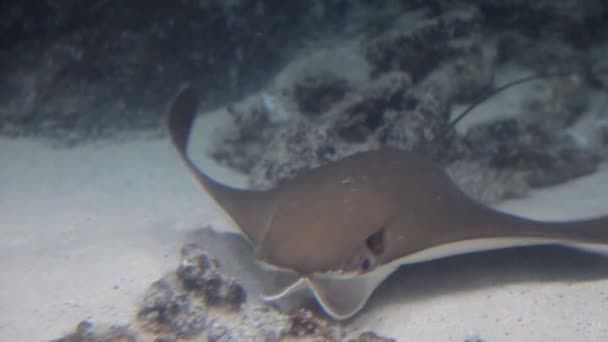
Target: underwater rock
x,y
297,146
562,20
388,111
529,147
66,72
220,292
541,55
370,336
219,333
316,94
198,273
421,49
196,267
304,323
198,302
179,305
246,140
165,339
422,119
391,110
70,77
358,118
88,332
418,71
348,127
168,311
487,184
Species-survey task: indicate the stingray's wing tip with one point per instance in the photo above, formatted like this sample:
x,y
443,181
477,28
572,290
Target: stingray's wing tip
x,y
325,304
339,314
342,298
284,292
181,112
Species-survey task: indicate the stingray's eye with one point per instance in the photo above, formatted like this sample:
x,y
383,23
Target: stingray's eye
x,y
367,264
375,242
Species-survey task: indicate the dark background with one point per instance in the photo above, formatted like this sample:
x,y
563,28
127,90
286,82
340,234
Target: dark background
x,y
78,70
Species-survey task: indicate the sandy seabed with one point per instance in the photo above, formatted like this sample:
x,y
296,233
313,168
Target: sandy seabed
x,y
84,231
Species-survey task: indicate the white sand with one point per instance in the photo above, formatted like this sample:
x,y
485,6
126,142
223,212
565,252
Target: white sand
x,y
84,231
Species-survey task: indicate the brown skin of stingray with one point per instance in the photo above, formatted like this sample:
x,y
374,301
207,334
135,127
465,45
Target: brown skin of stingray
x,y
323,219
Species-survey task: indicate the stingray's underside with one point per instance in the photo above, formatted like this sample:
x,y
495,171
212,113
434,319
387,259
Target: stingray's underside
x,y
342,296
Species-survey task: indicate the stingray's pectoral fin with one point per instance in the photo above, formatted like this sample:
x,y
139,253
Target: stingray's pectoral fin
x,y
284,291
281,285
595,248
342,297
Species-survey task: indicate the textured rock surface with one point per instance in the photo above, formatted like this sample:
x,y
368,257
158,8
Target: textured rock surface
x,y
200,302
67,73
75,72
419,67
86,331
71,76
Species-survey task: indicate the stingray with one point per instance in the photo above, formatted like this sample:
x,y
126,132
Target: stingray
x,y
343,227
